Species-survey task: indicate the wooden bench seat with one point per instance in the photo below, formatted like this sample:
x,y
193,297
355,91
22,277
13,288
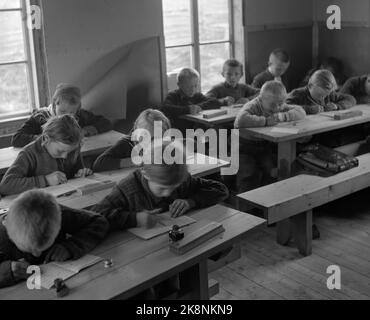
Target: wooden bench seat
x,y
296,197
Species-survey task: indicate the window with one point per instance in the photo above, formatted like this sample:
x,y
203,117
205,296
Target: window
x,y
17,67
198,34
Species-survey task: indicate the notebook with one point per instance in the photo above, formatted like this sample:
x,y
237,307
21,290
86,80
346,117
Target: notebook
x,y
164,225
65,270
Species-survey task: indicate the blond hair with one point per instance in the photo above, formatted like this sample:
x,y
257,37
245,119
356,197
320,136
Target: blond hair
x,y
187,73
66,93
323,79
273,87
34,220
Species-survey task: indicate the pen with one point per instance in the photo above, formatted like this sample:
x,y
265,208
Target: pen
x,y
66,194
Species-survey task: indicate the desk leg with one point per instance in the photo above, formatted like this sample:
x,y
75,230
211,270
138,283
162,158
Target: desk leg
x,y
194,282
302,232
286,156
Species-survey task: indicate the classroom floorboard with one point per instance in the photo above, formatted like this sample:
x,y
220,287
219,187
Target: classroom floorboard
x,y
267,270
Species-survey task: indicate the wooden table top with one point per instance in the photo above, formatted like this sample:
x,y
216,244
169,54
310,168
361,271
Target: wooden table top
x,y
130,273
312,124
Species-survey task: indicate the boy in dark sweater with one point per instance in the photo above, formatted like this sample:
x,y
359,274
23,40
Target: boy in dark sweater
x,y
37,230
359,88
158,188
187,99
66,100
279,62
231,91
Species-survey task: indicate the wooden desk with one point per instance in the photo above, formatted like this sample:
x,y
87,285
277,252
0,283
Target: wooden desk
x,y
92,146
219,121
311,125
140,264
81,202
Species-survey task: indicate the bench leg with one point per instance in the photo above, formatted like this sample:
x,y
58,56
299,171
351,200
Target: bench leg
x,y
283,232
302,232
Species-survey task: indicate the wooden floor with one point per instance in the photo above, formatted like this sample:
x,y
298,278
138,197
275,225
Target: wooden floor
x,y
267,270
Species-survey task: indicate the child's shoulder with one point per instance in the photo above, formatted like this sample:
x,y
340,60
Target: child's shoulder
x,y
41,115
131,183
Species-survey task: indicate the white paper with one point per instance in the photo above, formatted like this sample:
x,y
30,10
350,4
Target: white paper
x,y
285,130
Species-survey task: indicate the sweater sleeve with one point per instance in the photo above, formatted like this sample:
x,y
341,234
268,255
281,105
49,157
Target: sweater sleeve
x,y
291,113
343,101
171,107
99,122
115,209
207,103
86,230
350,86
17,179
258,81
246,118
6,274
27,133
110,159
203,192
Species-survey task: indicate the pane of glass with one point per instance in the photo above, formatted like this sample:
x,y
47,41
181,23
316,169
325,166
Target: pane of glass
x,y
176,21
11,37
10,4
212,57
178,58
213,20
13,89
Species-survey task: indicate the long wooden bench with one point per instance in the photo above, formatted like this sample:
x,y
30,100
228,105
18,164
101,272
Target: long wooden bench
x,y
292,200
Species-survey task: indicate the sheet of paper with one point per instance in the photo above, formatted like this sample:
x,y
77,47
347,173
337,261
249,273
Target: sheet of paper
x,y
285,130
80,264
165,224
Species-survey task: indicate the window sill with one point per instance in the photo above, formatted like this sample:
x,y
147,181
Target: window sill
x,y
9,126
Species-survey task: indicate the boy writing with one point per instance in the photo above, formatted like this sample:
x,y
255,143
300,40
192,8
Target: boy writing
x,y
231,91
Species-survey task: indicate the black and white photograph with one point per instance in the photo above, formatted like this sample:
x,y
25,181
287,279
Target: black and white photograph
x,y
199,152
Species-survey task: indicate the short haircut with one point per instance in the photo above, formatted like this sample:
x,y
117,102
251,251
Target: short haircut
x,y
323,79
232,63
163,173
149,116
34,220
280,54
67,93
187,73
273,87
63,129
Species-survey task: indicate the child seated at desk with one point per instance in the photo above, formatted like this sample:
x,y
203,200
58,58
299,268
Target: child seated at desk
x,y
66,100
119,156
37,230
257,156
359,88
279,62
187,99
50,160
320,95
231,91
158,187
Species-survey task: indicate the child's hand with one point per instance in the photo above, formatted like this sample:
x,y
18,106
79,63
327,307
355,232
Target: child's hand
x,y
19,270
271,121
331,107
194,109
57,253
83,173
180,207
228,101
242,101
55,178
89,131
147,219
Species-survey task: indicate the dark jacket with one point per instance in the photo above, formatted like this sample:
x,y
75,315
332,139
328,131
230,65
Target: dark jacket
x,y
81,231
260,79
133,195
32,128
224,90
355,86
302,97
111,158
31,166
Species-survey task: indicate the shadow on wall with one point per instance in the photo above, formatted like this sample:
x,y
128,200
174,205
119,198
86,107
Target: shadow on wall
x,y
123,83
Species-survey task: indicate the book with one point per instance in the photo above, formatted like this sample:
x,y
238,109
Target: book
x,y
65,270
209,114
164,225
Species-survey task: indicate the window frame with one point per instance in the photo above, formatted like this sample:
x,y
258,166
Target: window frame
x,y
196,44
30,62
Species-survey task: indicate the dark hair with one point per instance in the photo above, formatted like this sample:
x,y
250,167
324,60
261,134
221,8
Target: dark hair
x,y
281,54
66,93
233,63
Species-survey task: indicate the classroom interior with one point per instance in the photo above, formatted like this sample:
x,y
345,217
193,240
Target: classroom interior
x,y
117,53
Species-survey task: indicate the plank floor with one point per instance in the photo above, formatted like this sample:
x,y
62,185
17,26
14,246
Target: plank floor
x,y
267,270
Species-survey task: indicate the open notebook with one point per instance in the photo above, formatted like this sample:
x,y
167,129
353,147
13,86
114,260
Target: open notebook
x,y
65,270
164,225
81,186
